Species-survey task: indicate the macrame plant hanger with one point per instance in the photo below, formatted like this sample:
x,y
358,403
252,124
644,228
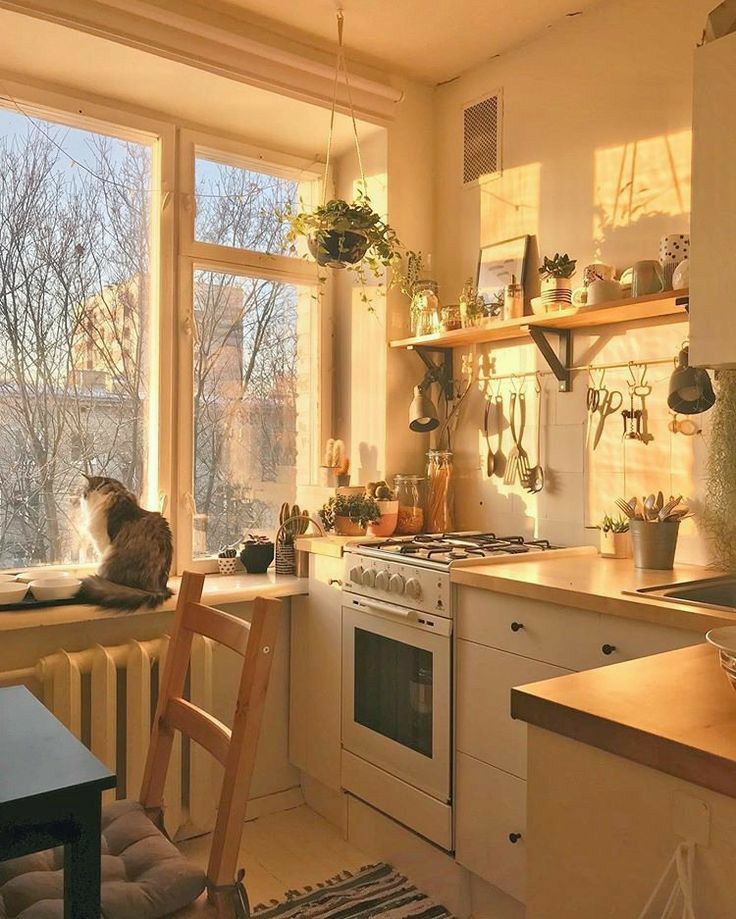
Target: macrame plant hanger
x,y
341,65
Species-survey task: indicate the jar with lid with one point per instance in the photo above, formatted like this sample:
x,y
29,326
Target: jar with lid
x,y
425,308
410,495
439,493
450,318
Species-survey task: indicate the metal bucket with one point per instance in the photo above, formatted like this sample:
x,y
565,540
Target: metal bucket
x,y
654,544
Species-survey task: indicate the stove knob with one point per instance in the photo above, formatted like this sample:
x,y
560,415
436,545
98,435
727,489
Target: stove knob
x,y
413,588
369,577
382,580
356,575
396,584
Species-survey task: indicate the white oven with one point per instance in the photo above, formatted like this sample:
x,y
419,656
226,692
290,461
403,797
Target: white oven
x,y
396,712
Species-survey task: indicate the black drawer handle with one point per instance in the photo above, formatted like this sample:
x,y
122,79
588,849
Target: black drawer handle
x,y
517,626
608,649
514,838
335,581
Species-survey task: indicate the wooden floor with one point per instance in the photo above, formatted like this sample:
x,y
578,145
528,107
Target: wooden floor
x,y
286,851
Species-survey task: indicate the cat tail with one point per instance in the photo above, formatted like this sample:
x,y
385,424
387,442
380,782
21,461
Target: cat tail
x,y
102,592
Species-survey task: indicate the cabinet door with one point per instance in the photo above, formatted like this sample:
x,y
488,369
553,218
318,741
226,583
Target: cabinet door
x,y
316,668
542,631
712,267
491,823
485,729
627,639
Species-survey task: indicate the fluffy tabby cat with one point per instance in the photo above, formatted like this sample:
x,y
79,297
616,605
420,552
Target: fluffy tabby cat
x,y
134,544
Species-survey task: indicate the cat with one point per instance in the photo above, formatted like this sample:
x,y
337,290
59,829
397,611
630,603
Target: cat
x,y
135,546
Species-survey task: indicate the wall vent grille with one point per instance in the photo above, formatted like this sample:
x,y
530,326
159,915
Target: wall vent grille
x,y
482,139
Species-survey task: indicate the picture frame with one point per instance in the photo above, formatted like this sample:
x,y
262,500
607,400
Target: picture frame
x,y
498,264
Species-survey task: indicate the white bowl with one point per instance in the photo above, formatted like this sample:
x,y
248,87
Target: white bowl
x,y
12,592
41,574
724,639
56,588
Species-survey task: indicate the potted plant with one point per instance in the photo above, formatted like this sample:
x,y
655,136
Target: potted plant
x,y
349,515
388,507
556,274
472,305
343,234
615,537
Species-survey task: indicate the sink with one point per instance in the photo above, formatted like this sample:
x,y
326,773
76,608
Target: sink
x,y
711,593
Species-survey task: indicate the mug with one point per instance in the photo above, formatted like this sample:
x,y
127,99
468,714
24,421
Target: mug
x,y
648,278
601,290
598,271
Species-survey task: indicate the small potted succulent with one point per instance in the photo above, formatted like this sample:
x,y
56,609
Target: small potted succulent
x,y
227,560
256,554
388,506
349,515
615,537
556,274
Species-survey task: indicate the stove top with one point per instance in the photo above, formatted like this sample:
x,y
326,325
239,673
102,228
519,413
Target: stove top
x,y
442,550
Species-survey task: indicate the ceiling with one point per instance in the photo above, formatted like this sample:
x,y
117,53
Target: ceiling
x,y
430,41
89,64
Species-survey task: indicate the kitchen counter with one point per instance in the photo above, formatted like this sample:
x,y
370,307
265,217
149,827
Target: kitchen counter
x,y
218,590
674,712
585,580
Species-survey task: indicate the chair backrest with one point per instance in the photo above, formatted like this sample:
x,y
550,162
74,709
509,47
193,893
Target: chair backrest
x,y
236,749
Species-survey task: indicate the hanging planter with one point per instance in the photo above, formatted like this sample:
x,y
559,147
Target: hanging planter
x,y
348,234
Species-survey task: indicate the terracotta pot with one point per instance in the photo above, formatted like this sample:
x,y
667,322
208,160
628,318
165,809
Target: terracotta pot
x,y
616,545
346,526
337,248
389,518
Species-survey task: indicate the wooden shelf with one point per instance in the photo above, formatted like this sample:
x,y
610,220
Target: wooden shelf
x,y
655,306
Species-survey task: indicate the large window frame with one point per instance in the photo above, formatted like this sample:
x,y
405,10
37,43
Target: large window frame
x,y
175,257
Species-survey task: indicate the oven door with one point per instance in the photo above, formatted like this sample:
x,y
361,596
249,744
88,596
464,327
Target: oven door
x,y
396,692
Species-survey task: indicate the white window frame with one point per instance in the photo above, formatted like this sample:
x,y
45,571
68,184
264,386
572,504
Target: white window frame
x,y
195,255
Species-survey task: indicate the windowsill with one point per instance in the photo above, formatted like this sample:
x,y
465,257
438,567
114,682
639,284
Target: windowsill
x,y
218,590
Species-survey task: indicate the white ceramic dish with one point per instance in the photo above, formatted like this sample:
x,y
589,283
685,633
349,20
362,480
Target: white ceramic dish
x,y
41,574
12,592
724,639
56,588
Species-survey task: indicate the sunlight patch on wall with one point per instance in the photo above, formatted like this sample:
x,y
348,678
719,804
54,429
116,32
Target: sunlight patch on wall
x,y
509,204
640,180
377,188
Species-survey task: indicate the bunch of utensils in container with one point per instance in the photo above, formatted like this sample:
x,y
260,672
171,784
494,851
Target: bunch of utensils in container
x,y
517,465
293,523
654,509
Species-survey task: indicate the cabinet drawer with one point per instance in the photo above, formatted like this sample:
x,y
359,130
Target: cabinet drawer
x,y
542,631
491,806
631,639
485,729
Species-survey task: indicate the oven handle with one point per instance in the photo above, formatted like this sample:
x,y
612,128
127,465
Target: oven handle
x,y
412,618
378,607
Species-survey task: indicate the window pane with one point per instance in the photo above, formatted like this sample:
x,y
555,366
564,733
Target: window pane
x,y
238,207
252,404
74,299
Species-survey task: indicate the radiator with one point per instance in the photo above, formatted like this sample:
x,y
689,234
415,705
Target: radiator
x,y
107,697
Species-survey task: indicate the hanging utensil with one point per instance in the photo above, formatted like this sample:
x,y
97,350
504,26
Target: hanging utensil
x,y
534,482
490,459
607,406
592,400
522,457
500,462
513,458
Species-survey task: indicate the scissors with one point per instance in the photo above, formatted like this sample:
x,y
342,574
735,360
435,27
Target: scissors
x,y
593,397
608,405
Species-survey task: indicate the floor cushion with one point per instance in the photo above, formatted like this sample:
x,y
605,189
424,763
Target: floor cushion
x,y
143,874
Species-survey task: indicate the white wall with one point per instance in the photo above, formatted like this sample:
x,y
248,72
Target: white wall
x,y
596,157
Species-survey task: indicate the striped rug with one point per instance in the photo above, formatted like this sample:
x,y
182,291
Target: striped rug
x,y
374,891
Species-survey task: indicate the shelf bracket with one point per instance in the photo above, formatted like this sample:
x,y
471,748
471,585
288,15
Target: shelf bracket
x,y
440,373
559,361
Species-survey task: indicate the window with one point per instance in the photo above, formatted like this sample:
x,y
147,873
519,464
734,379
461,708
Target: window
x,y
75,301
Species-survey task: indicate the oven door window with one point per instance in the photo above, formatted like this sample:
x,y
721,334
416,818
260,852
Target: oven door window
x,y
393,690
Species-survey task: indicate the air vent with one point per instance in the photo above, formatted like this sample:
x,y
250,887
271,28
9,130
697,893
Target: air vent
x,y
482,139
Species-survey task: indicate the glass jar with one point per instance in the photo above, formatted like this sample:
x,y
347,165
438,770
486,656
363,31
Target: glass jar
x,y
439,493
410,495
450,318
425,308
513,301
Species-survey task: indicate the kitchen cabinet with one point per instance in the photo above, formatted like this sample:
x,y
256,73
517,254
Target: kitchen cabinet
x,y
491,825
504,641
712,265
316,653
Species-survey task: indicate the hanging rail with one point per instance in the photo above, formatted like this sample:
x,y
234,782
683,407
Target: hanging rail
x,y
492,377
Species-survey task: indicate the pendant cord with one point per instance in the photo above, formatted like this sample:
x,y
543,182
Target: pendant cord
x,y
341,63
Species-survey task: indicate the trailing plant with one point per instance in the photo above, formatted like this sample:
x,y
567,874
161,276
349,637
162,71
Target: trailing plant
x,y
561,266
384,250
361,509
719,510
614,524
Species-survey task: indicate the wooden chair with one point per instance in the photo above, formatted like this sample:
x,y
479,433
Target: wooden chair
x,y
235,750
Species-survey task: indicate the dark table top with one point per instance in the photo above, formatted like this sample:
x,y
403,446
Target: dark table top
x,y
38,755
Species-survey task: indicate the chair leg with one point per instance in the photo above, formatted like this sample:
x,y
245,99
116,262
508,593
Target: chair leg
x,y
231,900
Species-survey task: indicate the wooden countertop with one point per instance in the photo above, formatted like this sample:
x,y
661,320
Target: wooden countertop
x,y
674,712
588,581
